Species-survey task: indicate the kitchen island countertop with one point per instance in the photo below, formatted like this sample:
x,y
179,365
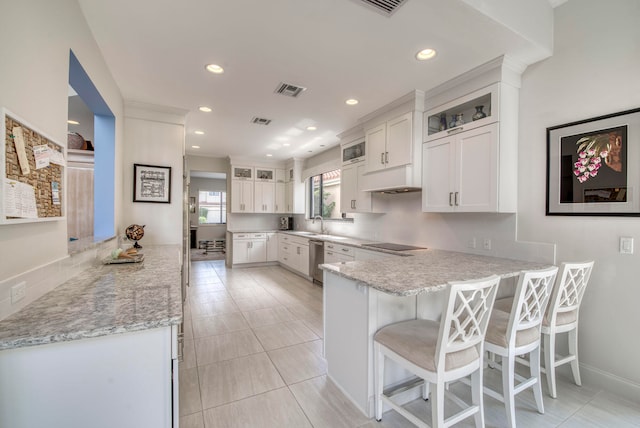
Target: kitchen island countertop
x,y
429,270
103,300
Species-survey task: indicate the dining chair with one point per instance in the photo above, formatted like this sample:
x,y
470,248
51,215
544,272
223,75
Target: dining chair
x,y
440,352
517,332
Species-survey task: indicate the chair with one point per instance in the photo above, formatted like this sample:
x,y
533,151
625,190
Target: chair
x,y
517,332
562,317
440,352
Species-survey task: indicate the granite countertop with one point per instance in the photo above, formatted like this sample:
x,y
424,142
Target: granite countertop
x,y
428,271
103,300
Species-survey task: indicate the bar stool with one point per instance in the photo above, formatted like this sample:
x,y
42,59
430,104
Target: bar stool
x,y
440,352
517,332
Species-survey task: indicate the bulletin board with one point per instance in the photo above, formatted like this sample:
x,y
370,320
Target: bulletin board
x,y
32,172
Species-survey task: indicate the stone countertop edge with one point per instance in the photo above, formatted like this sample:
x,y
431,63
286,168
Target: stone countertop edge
x,y
428,271
103,300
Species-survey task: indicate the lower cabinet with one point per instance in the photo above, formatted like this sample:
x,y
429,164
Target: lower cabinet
x,y
334,253
125,380
272,246
249,248
293,252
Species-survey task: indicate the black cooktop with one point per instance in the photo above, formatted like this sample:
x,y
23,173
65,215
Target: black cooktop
x,y
393,247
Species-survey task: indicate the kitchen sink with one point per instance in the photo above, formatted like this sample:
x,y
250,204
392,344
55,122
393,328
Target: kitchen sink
x,y
329,237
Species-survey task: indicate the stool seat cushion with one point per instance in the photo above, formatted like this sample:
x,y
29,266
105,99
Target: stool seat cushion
x,y
562,318
497,331
416,341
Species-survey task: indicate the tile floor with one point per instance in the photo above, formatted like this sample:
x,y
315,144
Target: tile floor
x,y
253,358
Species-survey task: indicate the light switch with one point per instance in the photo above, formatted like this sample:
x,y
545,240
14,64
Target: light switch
x,y
626,245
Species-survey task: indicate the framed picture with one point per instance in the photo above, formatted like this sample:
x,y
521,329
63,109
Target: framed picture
x,y
192,204
151,183
593,166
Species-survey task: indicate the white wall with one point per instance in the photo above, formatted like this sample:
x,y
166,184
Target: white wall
x,y
595,70
154,136
34,65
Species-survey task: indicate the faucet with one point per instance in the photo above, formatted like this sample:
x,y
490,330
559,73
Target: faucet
x,y
322,229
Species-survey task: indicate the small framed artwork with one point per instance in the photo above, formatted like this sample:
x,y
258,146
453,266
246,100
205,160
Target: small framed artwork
x,y
192,204
593,166
151,183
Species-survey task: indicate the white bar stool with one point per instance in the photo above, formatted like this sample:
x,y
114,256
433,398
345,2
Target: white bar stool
x,y
440,352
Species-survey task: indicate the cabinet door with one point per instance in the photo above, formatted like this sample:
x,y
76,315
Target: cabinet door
x,y
272,247
399,141
264,197
289,197
302,259
241,251
348,188
363,199
438,166
241,196
477,169
376,139
258,251
280,198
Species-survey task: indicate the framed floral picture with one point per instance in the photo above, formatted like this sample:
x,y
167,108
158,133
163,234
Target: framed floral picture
x,y
593,166
151,183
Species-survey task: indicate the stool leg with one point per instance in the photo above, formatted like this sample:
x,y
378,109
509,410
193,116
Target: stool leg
x,y
534,366
437,405
573,350
508,379
550,362
476,396
378,380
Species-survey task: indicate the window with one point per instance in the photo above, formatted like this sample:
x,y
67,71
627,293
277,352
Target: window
x,y
325,195
212,207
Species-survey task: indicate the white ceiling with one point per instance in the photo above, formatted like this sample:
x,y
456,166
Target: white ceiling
x,y
338,49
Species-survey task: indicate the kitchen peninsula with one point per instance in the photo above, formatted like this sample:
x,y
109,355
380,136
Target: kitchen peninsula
x,y
99,350
360,297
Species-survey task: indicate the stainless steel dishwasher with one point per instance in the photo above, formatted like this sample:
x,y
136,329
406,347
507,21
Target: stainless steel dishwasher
x,y
316,257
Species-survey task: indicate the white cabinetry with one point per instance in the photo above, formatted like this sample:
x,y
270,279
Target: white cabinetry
x,y
472,166
338,253
242,189
293,252
249,248
294,187
461,172
264,197
272,246
352,197
389,144
280,192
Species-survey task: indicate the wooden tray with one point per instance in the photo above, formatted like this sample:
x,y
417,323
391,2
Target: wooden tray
x,y
137,258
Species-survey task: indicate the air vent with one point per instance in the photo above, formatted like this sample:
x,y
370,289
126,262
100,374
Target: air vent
x,y
387,7
260,121
289,90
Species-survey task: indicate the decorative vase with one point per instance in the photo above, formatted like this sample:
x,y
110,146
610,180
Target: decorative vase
x,y
443,122
452,124
479,114
459,120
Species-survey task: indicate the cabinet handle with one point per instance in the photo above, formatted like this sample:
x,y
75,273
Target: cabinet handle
x,y
450,196
297,250
345,249
382,158
354,160
353,204
454,130
386,157
456,199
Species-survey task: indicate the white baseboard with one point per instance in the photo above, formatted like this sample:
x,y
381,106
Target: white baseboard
x,y
615,384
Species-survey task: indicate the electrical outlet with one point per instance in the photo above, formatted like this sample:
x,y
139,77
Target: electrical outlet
x,y
626,245
486,243
18,292
472,243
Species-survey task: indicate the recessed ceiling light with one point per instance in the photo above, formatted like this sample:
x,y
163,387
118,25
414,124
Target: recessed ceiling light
x,y
311,128
286,144
269,155
205,109
351,102
214,68
198,132
73,122
321,145
425,54
195,147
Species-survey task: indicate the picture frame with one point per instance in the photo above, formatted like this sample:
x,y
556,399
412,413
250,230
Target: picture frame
x,y
192,204
151,183
593,166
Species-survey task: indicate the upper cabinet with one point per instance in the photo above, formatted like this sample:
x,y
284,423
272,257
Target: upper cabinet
x,y
242,173
393,139
470,152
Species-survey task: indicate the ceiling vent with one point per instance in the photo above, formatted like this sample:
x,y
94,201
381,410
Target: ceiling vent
x,y
260,121
289,90
386,7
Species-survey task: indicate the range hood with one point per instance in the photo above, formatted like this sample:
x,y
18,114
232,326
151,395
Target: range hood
x,y
400,190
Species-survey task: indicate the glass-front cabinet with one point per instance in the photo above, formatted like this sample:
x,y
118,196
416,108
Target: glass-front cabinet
x,y
465,113
353,152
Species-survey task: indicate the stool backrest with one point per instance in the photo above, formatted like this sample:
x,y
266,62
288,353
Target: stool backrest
x,y
530,300
569,289
466,315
